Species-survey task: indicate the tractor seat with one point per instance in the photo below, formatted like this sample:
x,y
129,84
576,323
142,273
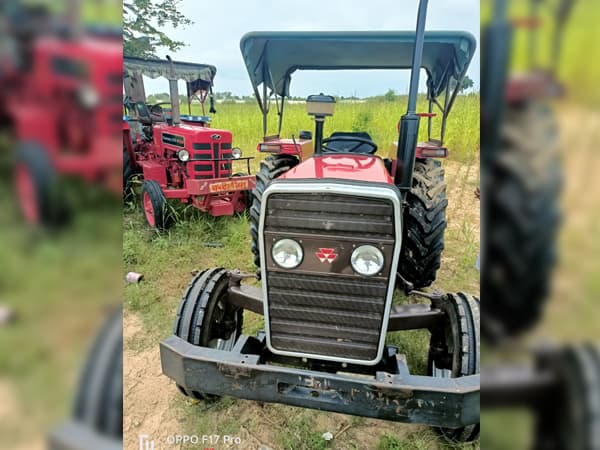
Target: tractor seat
x,y
343,146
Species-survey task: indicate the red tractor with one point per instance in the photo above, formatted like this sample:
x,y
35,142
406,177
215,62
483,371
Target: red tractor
x,y
61,99
179,156
335,235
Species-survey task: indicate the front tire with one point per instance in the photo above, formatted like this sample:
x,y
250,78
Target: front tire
x,y
424,224
454,351
205,319
156,208
272,167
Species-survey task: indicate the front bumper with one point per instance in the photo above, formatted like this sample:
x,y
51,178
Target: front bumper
x,y
399,397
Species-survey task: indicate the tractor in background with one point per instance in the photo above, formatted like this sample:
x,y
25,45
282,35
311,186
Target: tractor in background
x,y
61,101
330,234
179,156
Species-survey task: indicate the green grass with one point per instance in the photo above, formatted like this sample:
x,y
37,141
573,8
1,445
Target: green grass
x,y
60,285
577,68
378,118
198,241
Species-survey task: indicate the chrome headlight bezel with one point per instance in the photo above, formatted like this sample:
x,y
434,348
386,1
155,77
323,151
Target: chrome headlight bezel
x,y
183,155
236,153
375,255
291,244
88,96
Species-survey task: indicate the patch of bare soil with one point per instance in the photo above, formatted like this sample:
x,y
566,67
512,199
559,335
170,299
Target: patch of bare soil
x,y
13,434
147,394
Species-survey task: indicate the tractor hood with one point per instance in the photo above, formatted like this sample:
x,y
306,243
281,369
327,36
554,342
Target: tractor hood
x,y
343,167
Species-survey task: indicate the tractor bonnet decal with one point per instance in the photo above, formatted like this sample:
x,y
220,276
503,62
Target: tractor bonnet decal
x,y
326,255
215,137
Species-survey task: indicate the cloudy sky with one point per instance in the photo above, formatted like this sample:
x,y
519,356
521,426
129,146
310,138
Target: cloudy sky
x,y
218,26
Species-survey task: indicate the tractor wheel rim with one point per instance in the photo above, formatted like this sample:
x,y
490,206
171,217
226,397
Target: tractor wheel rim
x,y
440,373
149,209
28,199
220,343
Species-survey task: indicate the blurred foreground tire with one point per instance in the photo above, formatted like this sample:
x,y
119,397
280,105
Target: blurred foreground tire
x,y
36,187
97,422
522,214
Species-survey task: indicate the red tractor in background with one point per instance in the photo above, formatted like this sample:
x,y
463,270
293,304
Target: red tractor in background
x,y
61,100
179,156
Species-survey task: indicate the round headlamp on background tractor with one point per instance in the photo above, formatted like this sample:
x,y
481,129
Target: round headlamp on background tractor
x,y
287,253
88,96
183,155
367,260
236,153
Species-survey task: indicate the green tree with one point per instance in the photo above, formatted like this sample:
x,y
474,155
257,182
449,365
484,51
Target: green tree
x,y
389,96
142,23
466,83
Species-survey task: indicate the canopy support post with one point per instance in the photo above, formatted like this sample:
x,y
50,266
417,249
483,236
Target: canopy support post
x,y
409,123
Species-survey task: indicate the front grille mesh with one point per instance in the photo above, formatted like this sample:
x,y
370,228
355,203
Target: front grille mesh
x,y
337,316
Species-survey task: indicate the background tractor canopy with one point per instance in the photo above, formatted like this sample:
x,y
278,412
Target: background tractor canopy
x,y
201,75
272,57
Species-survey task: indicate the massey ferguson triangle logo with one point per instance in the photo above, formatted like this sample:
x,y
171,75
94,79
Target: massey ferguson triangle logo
x,y
326,254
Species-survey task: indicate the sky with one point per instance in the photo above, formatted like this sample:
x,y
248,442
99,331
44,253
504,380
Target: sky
x,y
218,26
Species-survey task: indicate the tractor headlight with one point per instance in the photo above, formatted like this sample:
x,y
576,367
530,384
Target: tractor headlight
x,y
88,96
367,260
183,155
287,253
236,153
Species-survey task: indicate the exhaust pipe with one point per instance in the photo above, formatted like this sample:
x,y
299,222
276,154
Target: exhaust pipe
x,y
174,94
409,123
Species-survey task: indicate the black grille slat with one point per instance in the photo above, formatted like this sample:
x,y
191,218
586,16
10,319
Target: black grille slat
x,y
321,206
330,214
317,221
341,285
344,302
327,314
324,330
324,346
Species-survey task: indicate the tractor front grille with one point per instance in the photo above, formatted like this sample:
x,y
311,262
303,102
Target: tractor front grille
x,y
204,160
323,309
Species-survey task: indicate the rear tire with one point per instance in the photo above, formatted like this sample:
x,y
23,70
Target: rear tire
x,y
128,175
272,167
521,206
155,206
454,351
424,224
205,319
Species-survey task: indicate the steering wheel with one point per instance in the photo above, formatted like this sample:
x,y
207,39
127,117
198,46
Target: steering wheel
x,y
357,140
157,110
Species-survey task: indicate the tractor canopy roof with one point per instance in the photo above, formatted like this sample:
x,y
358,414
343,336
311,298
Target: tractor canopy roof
x,y
272,57
198,75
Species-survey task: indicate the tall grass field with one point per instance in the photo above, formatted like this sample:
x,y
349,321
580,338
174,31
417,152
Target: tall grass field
x,y
378,117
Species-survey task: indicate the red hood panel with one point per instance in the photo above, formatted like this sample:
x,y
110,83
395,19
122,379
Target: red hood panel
x,y
344,167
